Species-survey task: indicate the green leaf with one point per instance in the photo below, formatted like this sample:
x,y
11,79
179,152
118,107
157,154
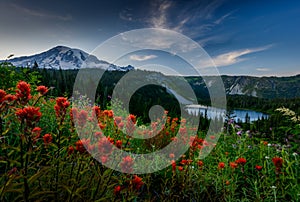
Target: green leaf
x,y
38,174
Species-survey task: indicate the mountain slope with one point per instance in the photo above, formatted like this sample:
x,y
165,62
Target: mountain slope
x,y
262,87
62,57
65,58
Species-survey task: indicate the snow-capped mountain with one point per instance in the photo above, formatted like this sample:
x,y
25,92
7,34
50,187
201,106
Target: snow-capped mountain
x,y
62,57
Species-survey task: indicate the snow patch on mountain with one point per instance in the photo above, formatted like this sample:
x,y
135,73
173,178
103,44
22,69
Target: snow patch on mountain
x,y
62,57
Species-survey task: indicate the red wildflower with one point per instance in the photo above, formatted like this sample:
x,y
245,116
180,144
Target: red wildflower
x,y
173,163
61,107
121,125
47,138
117,189
221,165
96,111
102,126
200,163
42,90
73,114
2,95
105,145
183,162
233,165
118,120
130,124
98,134
119,143
137,182
82,118
277,162
23,92
182,131
70,150
127,164
258,168
79,146
227,182
29,114
108,113
241,161
180,168
9,98
37,133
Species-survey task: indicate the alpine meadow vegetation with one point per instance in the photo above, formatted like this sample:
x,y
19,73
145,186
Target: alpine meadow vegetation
x,y
43,159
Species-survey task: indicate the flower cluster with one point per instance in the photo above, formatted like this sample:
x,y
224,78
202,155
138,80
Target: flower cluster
x,y
61,107
127,164
47,139
42,90
29,115
130,124
278,164
23,92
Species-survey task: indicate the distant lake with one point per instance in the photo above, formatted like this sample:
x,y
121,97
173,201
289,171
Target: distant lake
x,y
213,112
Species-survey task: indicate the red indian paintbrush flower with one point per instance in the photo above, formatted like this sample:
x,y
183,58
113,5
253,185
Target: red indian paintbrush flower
x,y
137,182
96,112
23,92
180,168
29,114
127,164
130,124
117,189
36,134
258,168
61,107
42,90
277,162
9,98
105,145
79,146
173,163
233,165
70,150
2,95
47,138
241,161
221,165
82,118
200,163
119,143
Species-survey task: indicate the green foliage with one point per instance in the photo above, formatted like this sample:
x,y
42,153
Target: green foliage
x,y
53,164
11,75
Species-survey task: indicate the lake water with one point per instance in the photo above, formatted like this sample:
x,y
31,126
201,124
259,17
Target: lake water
x,y
216,112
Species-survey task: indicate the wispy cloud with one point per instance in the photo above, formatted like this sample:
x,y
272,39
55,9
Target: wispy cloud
x,y
195,19
261,69
222,18
232,57
41,14
141,57
235,56
160,16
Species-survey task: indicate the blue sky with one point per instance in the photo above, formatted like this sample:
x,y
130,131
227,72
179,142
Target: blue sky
x,y
242,37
